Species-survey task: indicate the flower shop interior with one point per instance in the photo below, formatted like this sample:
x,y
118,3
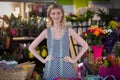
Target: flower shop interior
x,y
97,21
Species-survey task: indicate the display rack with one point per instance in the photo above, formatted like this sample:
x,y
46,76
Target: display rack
x,y
74,45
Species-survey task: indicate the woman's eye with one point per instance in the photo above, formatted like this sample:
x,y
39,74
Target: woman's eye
x,y
58,13
53,13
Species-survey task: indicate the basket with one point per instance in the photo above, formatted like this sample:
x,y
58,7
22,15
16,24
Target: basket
x,y
30,71
13,74
22,72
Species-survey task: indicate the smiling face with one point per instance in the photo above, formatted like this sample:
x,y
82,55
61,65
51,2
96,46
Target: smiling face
x,y
56,15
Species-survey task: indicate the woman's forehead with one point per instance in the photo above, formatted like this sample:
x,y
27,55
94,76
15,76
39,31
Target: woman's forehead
x,y
55,9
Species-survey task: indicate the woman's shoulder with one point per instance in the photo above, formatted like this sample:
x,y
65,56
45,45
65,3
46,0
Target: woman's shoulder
x,y
46,29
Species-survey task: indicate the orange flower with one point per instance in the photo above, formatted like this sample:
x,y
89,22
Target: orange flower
x,y
96,33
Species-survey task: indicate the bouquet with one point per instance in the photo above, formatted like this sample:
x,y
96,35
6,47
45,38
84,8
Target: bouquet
x,y
94,35
111,36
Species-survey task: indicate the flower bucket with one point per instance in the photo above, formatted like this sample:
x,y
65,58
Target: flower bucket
x,y
97,50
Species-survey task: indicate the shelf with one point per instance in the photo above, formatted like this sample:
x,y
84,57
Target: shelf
x,y
23,38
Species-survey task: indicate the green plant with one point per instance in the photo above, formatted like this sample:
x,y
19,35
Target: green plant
x,y
104,16
72,18
116,48
12,21
84,14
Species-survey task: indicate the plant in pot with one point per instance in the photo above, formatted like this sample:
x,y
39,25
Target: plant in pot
x,y
93,36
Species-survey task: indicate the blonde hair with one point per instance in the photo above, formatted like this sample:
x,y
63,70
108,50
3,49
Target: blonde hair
x,y
49,21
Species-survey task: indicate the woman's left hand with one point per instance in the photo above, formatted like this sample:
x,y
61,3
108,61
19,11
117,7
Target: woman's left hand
x,y
68,59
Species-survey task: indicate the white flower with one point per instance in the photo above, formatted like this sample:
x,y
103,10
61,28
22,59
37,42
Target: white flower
x,y
108,31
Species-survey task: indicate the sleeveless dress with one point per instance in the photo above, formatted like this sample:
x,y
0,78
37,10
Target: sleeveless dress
x,y
58,49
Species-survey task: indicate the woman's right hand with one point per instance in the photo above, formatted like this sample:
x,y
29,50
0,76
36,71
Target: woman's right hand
x,y
48,58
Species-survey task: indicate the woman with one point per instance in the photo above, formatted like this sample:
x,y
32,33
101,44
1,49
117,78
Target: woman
x,y
58,63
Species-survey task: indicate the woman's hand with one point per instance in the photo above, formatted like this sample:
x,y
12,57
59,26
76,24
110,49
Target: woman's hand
x,y
68,59
48,58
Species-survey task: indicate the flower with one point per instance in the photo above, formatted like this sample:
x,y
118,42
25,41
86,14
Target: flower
x,y
110,37
94,35
113,24
84,14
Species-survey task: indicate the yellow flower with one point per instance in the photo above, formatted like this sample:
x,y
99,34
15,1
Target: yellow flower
x,y
26,67
113,24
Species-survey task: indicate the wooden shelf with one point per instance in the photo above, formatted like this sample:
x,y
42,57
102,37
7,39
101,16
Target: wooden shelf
x,y
23,38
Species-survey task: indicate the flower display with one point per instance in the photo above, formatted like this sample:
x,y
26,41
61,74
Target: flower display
x,y
94,35
110,66
110,37
113,25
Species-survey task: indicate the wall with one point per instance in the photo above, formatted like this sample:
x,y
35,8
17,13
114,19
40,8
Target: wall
x,y
6,8
71,6
78,3
115,4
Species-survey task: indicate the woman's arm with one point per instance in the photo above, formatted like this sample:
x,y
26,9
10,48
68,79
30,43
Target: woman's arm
x,y
35,43
81,41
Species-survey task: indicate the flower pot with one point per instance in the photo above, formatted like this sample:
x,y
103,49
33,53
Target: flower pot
x,y
97,51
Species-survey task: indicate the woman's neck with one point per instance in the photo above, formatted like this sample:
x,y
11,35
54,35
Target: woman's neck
x,y
57,25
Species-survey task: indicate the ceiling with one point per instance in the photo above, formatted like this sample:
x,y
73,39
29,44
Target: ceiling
x,y
28,0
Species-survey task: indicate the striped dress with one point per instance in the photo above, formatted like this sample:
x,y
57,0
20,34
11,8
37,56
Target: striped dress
x,y
58,49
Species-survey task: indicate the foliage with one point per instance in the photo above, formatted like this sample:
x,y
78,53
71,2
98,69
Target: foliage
x,y
116,48
94,35
12,21
72,18
104,16
84,14
28,25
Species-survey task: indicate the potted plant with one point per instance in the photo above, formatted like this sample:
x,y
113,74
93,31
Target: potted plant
x,y
93,36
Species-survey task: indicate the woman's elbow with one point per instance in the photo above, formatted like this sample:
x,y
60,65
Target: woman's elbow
x,y
86,46
30,48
